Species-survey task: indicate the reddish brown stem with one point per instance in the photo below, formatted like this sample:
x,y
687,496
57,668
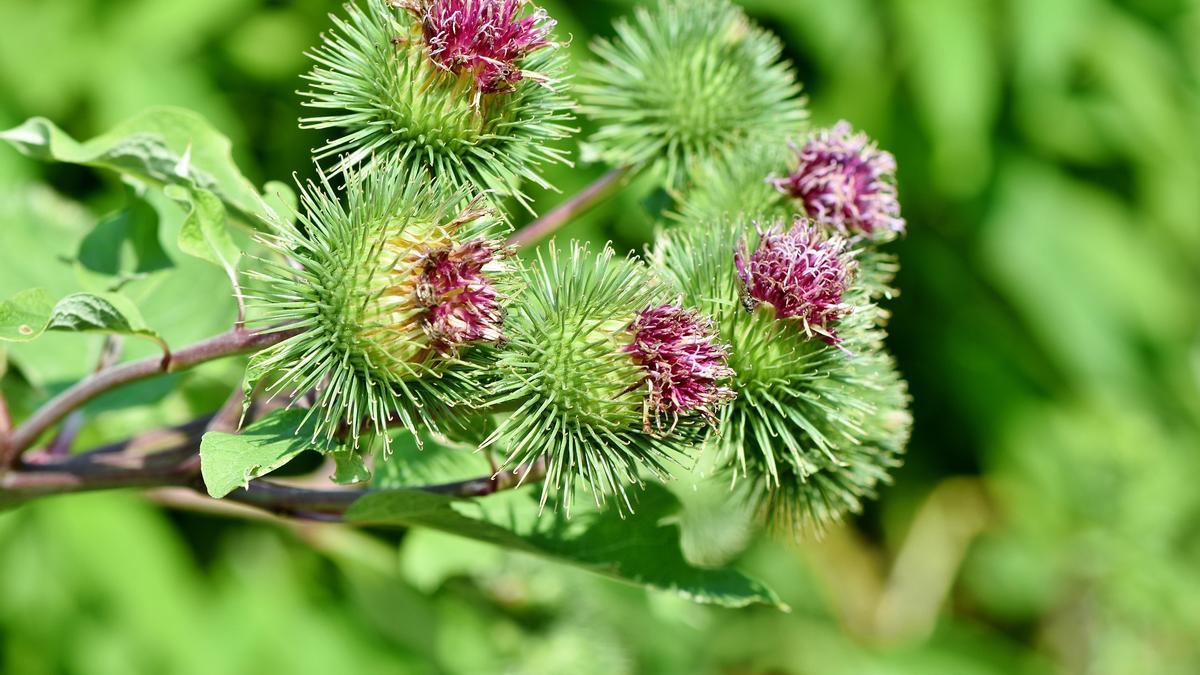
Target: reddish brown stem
x,y
5,428
127,465
227,344
5,419
594,194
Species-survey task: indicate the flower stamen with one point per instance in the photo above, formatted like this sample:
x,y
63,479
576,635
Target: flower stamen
x,y
845,181
802,273
483,38
683,363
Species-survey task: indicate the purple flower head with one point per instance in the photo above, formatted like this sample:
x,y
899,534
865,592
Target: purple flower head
x,y
683,361
483,37
461,305
801,272
844,180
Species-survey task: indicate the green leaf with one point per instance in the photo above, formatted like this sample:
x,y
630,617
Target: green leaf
x,y
165,146
30,313
642,549
123,246
41,230
229,461
407,464
349,467
23,317
204,233
101,313
281,201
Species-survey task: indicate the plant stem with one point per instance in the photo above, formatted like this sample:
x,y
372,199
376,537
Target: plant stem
x,y
110,354
65,438
179,466
5,427
101,471
5,419
288,500
227,344
604,187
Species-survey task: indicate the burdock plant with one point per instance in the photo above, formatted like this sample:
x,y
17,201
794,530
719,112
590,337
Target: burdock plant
x,y
688,81
597,362
471,90
820,417
398,285
392,306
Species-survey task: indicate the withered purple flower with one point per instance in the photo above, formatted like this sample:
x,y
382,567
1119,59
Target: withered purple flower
x,y
485,38
802,273
683,361
461,303
847,182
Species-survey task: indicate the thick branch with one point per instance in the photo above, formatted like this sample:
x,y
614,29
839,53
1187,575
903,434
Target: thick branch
x,y
5,427
124,465
594,194
101,471
227,344
310,503
294,501
321,504
5,418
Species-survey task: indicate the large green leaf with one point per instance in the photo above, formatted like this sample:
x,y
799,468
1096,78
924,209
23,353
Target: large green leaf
x,y
23,317
165,146
122,247
641,549
229,461
406,464
28,314
40,231
204,233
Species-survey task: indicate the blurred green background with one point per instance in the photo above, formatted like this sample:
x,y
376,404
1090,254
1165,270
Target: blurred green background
x,y
1046,519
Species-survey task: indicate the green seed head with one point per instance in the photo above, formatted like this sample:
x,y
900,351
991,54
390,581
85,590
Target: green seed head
x,y
581,399
815,427
385,94
690,81
398,289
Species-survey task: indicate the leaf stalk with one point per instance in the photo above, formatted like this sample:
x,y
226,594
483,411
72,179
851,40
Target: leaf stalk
x,y
593,195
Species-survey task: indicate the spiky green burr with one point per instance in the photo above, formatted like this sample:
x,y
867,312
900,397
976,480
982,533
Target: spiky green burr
x,y
396,287
583,401
816,426
737,186
384,93
685,82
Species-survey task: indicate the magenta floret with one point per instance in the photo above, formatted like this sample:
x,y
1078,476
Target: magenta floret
x,y
483,37
684,363
845,181
461,303
802,273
